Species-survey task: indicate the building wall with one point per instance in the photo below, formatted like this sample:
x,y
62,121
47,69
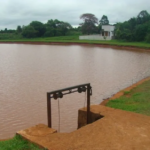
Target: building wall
x,y
108,28
107,34
94,37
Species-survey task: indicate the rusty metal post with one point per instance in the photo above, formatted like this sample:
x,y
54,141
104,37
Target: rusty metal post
x,y
49,110
88,104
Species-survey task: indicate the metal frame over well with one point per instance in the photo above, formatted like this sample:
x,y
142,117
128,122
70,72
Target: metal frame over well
x,y
59,94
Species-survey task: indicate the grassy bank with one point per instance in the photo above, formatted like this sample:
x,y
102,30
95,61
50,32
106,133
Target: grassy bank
x,y
75,39
136,100
17,143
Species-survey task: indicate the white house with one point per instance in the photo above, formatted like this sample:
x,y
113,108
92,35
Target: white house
x,y
108,31
107,34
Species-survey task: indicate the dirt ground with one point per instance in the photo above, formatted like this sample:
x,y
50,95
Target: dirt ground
x,y
117,130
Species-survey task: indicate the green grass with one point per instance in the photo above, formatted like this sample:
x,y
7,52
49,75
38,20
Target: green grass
x,y
137,100
75,39
126,92
17,143
10,36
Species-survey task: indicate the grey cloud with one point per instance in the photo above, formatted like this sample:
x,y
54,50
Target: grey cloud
x,y
17,12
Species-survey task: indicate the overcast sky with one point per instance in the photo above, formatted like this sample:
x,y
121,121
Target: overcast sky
x,y
18,12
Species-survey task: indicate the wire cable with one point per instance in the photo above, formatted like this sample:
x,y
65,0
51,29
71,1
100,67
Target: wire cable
x,y
85,99
58,116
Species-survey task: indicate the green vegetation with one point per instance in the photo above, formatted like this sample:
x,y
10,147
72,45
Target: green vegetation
x,y
50,29
104,20
135,29
88,26
126,92
75,39
134,32
91,25
10,36
17,143
136,100
38,29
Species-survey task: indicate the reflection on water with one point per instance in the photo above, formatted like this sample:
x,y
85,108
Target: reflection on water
x,y
27,72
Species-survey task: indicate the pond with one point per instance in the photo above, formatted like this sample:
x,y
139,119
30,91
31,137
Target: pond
x,y
28,72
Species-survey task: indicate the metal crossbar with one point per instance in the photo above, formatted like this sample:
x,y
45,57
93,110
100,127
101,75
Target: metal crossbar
x,y
60,93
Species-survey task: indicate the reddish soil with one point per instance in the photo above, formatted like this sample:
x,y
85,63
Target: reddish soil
x,y
4,139
117,130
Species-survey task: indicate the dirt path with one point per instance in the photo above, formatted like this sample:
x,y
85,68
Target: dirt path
x,y
117,130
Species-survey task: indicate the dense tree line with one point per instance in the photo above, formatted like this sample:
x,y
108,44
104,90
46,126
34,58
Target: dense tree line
x,y
38,29
59,28
135,29
7,31
51,28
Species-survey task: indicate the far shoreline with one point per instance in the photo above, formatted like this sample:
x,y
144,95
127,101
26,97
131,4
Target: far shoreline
x,y
104,45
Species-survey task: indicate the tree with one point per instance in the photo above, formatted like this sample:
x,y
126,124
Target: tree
x,y
50,28
64,27
49,32
135,29
5,30
29,32
89,18
57,28
104,20
38,27
132,23
143,16
88,26
51,23
19,29
147,38
140,32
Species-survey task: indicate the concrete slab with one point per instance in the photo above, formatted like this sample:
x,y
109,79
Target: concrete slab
x,y
117,130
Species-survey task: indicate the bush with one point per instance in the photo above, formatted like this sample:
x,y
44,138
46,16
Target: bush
x,y
147,38
49,33
29,32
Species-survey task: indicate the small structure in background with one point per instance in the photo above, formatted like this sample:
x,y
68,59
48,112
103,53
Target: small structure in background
x,y
108,31
106,34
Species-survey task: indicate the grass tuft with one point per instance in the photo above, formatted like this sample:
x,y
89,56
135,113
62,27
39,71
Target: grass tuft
x,y
138,101
126,92
17,143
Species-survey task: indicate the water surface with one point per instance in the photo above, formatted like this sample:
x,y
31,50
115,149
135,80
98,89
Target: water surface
x,y
27,72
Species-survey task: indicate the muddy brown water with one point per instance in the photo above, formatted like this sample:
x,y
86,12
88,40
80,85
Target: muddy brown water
x,y
28,71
